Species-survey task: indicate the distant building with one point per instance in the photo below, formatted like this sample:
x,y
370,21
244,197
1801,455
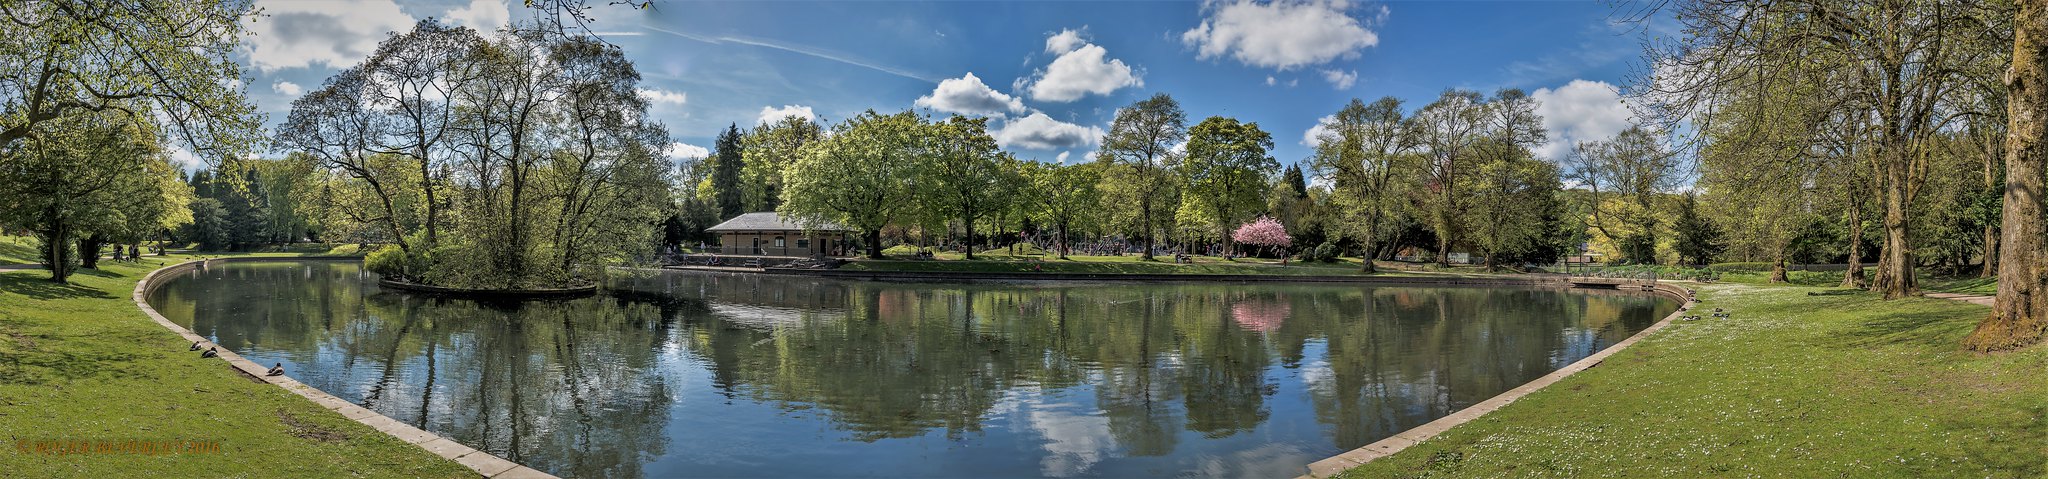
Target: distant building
x,y
766,234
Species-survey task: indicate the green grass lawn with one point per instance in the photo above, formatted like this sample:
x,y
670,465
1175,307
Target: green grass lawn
x,y
81,362
1836,384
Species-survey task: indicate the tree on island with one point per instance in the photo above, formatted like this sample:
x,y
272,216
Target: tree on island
x,y
532,164
1264,232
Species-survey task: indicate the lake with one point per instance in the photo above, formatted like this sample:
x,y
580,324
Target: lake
x,y
688,374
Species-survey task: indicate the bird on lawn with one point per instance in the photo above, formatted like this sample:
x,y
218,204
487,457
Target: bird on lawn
x,y
277,370
210,352
195,346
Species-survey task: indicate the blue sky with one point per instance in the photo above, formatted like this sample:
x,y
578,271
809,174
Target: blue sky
x,y
1051,74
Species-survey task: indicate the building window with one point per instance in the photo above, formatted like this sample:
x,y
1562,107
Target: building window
x,y
778,242
803,243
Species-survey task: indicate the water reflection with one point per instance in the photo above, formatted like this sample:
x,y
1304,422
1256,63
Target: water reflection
x,y
688,374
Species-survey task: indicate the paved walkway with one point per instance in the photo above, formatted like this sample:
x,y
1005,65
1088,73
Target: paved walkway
x,y
1967,298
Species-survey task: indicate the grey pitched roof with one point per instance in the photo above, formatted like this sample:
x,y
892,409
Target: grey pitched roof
x,y
767,221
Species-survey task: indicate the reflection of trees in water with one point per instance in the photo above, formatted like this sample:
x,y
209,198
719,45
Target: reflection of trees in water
x,y
577,387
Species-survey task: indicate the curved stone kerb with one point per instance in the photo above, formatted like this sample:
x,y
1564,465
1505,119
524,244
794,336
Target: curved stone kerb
x,y
482,462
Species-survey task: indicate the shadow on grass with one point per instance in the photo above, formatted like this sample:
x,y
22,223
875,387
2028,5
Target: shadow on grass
x,y
1935,328
38,286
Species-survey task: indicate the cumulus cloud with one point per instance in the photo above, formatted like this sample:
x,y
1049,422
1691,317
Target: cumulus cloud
x,y
482,15
662,97
1314,136
1340,78
1065,41
1579,111
1063,157
336,34
686,151
1081,69
967,95
1040,132
287,88
1281,34
771,114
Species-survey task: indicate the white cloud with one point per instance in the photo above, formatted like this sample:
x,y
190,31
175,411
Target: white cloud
x,y
1063,157
1579,111
1282,34
1314,136
662,97
483,15
287,88
1065,41
967,95
1342,80
771,114
686,151
1040,132
1270,81
1082,68
336,34
184,159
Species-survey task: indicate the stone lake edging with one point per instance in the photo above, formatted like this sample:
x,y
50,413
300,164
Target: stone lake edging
x,y
1393,444
483,463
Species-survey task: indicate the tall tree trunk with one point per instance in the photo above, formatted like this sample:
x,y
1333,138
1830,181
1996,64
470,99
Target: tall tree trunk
x,y
968,222
874,238
2019,317
1853,277
56,246
1145,207
89,248
1990,268
1895,268
1778,267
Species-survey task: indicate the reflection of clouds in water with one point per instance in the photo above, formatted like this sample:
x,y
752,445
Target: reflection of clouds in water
x,y
1271,460
758,317
1318,376
1074,441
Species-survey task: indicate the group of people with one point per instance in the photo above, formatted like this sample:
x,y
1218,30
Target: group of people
x,y
134,252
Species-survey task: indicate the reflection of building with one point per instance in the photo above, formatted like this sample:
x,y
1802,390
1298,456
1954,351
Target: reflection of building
x,y
766,234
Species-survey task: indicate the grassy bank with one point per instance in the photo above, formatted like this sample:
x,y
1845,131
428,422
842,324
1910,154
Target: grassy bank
x,y
81,362
1833,384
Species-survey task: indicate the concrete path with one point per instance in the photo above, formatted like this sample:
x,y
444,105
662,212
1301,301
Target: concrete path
x,y
1967,298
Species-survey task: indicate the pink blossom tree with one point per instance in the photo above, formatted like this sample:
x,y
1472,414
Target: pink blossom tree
x,y
1265,231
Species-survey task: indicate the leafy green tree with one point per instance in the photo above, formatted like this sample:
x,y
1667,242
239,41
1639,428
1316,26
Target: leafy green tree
x,y
1447,132
1699,239
1142,140
560,171
767,150
1632,169
167,66
1362,151
1067,198
861,177
727,162
89,179
1226,171
965,177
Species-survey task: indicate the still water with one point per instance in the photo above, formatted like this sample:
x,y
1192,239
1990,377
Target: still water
x,y
698,374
